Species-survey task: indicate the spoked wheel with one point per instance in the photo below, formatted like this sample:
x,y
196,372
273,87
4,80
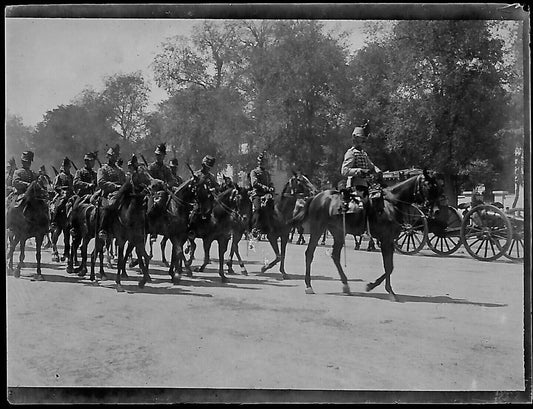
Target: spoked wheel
x,y
486,232
516,249
414,232
444,231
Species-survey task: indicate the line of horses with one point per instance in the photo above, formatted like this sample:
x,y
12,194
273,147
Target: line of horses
x,y
224,217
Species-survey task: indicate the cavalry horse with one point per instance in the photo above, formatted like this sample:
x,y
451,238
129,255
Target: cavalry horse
x,y
169,217
30,219
384,215
217,225
59,224
275,215
241,226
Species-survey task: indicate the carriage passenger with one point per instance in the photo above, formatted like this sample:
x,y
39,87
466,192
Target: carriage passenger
x,y
109,179
261,184
357,166
85,178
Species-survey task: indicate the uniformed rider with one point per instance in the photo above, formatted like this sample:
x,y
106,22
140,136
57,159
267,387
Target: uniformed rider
x,y
174,170
158,169
204,176
23,177
85,178
63,182
357,166
10,169
261,184
109,179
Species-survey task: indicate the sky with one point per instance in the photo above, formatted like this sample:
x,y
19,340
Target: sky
x,y
48,62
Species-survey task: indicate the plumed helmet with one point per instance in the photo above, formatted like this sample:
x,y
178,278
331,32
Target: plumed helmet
x,y
358,131
27,156
161,149
65,162
208,161
174,163
114,150
89,156
133,161
261,156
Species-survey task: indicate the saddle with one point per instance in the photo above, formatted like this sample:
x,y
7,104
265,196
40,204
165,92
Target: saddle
x,y
351,202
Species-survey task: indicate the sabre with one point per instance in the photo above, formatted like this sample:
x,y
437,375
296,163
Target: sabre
x,y
144,160
344,233
98,160
73,164
55,170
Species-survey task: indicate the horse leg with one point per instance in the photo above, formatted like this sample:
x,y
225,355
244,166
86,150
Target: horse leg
x,y
55,238
143,262
38,246
292,235
235,245
82,269
229,263
222,247
309,254
207,249
176,257
163,244
338,244
13,241
66,244
22,254
121,264
70,260
273,239
284,275
387,253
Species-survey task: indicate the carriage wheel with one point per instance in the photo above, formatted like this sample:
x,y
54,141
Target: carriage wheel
x,y
414,232
516,248
444,231
486,232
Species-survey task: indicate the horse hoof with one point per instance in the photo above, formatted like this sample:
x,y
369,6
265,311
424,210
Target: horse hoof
x,y
223,279
62,258
309,290
244,272
263,269
120,289
165,263
346,289
16,273
141,284
55,259
285,276
71,270
82,273
38,277
369,287
103,277
176,280
394,297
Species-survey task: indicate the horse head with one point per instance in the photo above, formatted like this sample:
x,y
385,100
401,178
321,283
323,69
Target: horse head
x,y
431,187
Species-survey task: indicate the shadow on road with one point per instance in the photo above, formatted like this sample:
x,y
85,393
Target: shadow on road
x,y
439,299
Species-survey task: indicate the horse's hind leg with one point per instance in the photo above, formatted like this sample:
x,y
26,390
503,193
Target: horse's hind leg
x,y
143,262
13,241
284,240
207,249
338,244
387,253
273,239
163,244
314,237
222,247
55,238
66,243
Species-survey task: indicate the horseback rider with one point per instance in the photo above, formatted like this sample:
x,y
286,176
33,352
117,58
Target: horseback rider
x,y
261,184
22,178
10,169
85,178
64,181
158,169
173,165
204,176
357,166
109,179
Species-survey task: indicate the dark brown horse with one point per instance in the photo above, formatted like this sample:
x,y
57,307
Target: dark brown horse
x,y
30,219
275,216
384,215
217,225
59,224
240,226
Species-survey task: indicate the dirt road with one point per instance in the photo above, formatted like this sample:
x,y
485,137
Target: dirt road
x,y
458,327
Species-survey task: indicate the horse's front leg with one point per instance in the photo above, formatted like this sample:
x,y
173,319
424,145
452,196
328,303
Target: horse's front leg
x,y
222,247
13,241
121,264
55,238
309,255
273,239
229,263
66,243
163,244
38,245
76,240
387,253
207,249
143,262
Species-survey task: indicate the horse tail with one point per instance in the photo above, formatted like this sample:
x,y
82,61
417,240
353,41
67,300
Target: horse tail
x,y
301,214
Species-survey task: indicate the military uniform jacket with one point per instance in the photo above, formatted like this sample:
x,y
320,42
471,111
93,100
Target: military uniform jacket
x,y
260,181
22,179
208,178
84,181
63,181
110,178
354,161
161,172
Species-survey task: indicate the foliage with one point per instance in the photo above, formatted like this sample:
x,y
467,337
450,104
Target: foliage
x,y
18,137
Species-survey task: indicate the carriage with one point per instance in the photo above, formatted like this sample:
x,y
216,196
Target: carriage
x,y
486,231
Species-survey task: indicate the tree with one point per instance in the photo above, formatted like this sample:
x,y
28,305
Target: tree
x,y
18,136
126,96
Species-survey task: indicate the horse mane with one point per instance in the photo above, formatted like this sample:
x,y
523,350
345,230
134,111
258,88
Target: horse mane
x,y
400,187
